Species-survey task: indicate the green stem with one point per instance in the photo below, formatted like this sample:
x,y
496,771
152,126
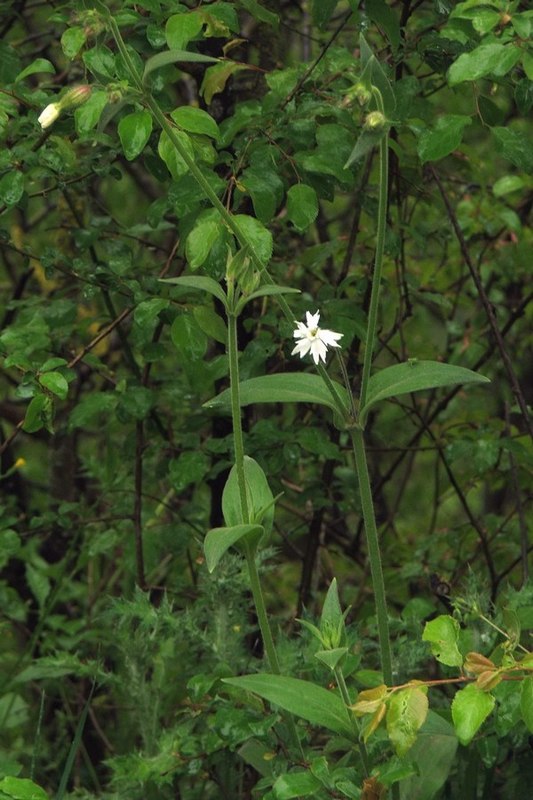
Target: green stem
x,y
341,683
378,261
238,442
374,554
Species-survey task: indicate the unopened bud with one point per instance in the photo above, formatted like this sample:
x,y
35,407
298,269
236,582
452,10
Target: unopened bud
x,y
359,92
49,115
375,121
75,96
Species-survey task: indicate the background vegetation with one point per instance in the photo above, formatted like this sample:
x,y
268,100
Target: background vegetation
x,y
115,637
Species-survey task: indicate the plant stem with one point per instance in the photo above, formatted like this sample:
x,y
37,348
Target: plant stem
x,y
378,260
341,683
238,443
374,554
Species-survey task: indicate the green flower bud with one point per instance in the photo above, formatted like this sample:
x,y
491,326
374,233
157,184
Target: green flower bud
x,y
375,121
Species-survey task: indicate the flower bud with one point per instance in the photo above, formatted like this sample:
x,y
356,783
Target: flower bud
x,y
75,96
375,121
49,115
359,92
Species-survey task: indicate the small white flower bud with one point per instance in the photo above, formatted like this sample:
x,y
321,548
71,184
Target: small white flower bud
x,y
49,115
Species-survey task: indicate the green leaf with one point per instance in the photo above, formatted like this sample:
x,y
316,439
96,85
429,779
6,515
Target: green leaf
x,y
266,190
219,540
188,337
136,402
507,184
39,584
181,28
470,708
22,789
406,713
322,11
134,131
443,139
487,59
298,387
377,76
268,290
148,311
211,323
257,235
86,116
366,141
203,284
332,618
11,187
100,61
302,206
55,383
443,634
526,702
200,241
436,736
36,413
515,147
171,57
72,41
91,409
331,658
414,376
215,79
380,13
39,65
189,467
195,120
302,698
175,163
260,13
260,499
295,785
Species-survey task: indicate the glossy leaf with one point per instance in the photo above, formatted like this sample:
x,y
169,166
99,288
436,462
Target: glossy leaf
x,y
86,117
302,698
295,785
72,41
215,79
257,235
470,708
298,387
37,66
219,540
134,131
21,789
181,28
195,120
172,158
55,383
415,376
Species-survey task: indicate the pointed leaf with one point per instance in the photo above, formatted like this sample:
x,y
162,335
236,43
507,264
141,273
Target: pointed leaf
x,y
470,708
195,120
171,57
298,387
219,540
134,131
201,283
302,206
331,658
313,703
414,376
39,65
264,291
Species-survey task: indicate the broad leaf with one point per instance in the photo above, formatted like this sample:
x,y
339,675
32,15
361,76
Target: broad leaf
x,y
134,131
406,713
302,206
306,700
195,120
219,540
443,633
37,66
437,737
443,139
487,59
470,708
55,383
298,387
21,789
414,376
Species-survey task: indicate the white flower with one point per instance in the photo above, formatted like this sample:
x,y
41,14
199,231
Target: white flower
x,y
314,339
49,115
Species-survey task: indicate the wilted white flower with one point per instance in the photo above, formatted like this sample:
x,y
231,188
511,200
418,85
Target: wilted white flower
x,y
314,339
49,115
